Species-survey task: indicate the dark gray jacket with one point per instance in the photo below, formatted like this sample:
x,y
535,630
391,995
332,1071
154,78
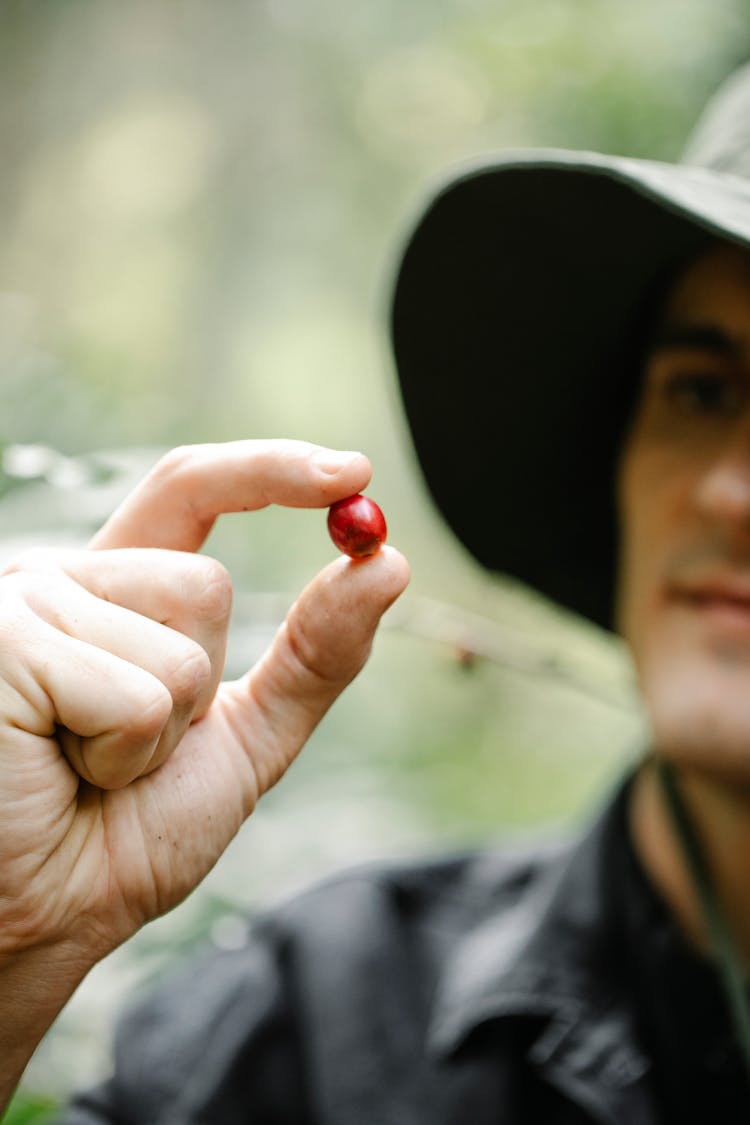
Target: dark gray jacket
x,y
481,990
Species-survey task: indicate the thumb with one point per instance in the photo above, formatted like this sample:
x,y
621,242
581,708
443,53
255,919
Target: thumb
x,y
320,648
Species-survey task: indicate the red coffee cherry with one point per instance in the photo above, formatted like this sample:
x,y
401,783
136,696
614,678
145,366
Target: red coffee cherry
x,y
357,526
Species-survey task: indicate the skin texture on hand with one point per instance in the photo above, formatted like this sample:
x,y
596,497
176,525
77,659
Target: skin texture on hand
x,y
127,766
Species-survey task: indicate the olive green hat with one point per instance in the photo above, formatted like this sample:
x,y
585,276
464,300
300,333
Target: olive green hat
x,y
518,322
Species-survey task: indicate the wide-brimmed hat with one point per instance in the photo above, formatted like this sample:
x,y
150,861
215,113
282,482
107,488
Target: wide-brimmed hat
x,y
519,317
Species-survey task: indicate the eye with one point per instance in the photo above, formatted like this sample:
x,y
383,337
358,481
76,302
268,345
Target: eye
x,y
700,393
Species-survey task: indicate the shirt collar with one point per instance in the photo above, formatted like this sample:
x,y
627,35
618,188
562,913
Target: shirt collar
x,y
499,968
543,957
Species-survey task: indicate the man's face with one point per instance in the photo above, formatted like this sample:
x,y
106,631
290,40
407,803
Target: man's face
x,y
684,500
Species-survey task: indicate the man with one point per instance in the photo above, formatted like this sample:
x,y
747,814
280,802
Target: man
x,y
573,339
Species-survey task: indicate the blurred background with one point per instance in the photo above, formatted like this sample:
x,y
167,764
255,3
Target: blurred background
x,y
200,205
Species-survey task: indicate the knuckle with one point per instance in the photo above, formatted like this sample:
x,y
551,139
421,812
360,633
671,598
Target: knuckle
x,y
322,667
150,716
175,462
212,602
21,588
189,678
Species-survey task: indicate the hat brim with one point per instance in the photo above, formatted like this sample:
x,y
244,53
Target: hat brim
x,y
517,313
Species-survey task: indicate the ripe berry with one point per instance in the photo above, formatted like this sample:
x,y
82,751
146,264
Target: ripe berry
x,y
357,526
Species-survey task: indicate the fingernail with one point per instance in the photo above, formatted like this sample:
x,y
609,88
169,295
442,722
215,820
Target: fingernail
x,y
332,461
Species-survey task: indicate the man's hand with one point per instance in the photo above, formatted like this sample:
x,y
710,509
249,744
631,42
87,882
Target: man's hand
x,y
126,766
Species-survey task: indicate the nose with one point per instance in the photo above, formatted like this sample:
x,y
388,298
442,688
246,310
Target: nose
x,y
723,490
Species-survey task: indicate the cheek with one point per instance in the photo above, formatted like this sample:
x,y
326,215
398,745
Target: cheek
x,y
653,505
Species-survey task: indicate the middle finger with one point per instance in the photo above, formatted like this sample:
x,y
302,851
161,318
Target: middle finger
x,y
178,661
190,594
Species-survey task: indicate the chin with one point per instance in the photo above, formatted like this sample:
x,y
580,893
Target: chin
x,y
699,711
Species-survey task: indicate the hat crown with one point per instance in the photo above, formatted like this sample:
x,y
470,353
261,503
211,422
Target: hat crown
x,y
721,137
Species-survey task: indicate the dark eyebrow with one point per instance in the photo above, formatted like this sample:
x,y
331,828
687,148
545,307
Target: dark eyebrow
x,y
701,337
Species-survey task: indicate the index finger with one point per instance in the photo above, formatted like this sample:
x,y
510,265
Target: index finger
x,y
176,505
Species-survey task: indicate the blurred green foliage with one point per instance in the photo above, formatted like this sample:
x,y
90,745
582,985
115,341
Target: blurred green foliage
x,y
30,1109
200,205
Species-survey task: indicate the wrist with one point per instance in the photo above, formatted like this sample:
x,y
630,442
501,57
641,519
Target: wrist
x,y
34,988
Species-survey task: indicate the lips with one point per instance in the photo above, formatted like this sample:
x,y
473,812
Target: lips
x,y
724,600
